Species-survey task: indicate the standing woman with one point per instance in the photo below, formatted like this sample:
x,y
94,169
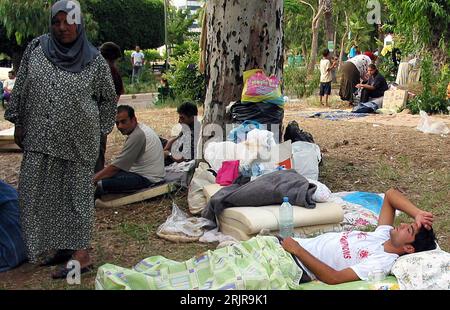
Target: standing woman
x,y
63,101
353,72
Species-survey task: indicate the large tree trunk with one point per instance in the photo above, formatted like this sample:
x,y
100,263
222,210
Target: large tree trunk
x,y
241,35
328,21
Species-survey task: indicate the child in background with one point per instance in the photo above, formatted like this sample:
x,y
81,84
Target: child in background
x,y
326,68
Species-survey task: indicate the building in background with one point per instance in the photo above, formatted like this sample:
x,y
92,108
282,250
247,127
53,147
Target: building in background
x,y
193,6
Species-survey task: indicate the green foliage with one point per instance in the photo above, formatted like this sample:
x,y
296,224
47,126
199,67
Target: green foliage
x,y
27,19
421,22
151,55
433,99
387,68
179,22
129,23
298,83
181,49
187,81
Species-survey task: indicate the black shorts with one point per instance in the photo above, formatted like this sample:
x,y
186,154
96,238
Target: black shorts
x,y
325,88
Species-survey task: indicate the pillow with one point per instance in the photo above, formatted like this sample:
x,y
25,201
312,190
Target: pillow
x,y
429,270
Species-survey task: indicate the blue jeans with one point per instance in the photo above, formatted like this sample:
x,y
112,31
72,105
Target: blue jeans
x,y
122,182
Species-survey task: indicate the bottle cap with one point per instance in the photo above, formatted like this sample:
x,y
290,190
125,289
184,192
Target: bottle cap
x,y
285,199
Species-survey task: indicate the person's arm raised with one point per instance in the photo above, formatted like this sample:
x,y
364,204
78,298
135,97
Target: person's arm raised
x,y
394,200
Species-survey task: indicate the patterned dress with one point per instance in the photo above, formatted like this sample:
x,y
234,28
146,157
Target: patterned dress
x,y
63,115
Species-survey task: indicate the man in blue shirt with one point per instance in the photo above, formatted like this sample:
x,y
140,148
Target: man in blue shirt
x,y
12,248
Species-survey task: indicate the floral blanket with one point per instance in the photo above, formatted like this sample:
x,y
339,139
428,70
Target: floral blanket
x,y
257,264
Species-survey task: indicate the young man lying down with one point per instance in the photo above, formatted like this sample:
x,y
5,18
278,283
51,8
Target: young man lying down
x,y
264,262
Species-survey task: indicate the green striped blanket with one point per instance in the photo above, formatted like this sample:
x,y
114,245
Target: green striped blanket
x,y
257,264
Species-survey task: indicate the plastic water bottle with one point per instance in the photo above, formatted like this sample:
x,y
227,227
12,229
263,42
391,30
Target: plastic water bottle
x,y
286,222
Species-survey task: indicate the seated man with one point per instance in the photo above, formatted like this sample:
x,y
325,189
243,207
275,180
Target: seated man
x,y
336,258
262,263
375,86
182,147
141,162
12,247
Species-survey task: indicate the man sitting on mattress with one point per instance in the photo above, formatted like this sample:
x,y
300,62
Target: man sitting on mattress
x,y
141,162
336,258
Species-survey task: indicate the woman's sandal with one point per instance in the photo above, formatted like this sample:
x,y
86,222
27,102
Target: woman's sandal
x,y
64,271
61,256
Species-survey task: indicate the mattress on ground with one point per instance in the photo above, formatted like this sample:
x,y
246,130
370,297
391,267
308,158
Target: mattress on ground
x,y
252,220
301,232
245,222
390,283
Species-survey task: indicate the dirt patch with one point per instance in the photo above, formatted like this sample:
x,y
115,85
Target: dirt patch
x,y
368,154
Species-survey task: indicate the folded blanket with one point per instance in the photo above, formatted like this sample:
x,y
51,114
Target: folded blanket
x,y
268,189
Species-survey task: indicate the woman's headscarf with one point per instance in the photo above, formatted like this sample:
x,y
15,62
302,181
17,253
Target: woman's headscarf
x,y
80,53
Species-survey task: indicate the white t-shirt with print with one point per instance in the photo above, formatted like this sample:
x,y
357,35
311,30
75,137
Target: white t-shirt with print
x,y
361,251
138,58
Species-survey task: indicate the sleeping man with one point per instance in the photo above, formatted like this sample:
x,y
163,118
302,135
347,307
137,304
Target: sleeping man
x,y
262,263
336,258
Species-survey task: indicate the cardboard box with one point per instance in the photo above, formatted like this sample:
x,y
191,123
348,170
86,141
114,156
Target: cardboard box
x,y
395,99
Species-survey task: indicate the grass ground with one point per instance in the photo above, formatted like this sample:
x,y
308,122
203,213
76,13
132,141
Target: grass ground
x,y
370,154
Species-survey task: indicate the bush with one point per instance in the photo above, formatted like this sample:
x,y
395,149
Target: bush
x,y
187,82
151,55
433,99
298,83
128,23
387,68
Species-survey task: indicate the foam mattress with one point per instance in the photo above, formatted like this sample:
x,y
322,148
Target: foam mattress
x,y
246,222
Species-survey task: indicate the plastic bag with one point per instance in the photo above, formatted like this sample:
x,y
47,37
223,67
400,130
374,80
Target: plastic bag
x,y
262,112
217,152
239,134
228,172
306,158
258,87
196,198
179,227
427,125
322,193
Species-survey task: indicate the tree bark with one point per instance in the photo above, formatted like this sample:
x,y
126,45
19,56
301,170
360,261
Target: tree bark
x,y
328,20
315,35
241,35
344,36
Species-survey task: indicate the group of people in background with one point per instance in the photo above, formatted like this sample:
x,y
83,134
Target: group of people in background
x,y
359,72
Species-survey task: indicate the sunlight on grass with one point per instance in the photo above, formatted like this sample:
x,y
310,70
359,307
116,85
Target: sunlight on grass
x,y
139,232
384,171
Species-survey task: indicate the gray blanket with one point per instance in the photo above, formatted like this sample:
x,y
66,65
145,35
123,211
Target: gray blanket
x,y
266,190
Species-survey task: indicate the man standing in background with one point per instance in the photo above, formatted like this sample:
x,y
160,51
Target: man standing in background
x,y
137,61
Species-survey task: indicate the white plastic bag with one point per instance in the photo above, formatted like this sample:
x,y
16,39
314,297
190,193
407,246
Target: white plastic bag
x,y
427,125
306,158
179,227
322,193
196,198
